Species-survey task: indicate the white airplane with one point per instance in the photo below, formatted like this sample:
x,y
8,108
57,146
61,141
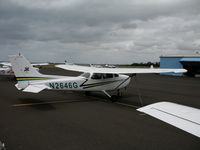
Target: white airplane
x,y
92,79
110,66
6,68
180,116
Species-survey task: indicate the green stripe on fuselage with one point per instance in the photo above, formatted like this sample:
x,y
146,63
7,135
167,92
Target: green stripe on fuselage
x,y
30,78
98,84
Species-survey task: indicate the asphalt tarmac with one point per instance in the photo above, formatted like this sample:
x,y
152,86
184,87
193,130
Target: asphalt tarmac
x,y
65,120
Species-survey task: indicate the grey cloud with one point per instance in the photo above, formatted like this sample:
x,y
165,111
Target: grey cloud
x,y
95,28
129,26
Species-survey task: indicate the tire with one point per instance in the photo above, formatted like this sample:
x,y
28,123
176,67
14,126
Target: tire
x,y
113,98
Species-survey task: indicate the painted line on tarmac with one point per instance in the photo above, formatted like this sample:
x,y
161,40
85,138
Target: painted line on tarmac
x,y
119,103
67,101
49,102
128,105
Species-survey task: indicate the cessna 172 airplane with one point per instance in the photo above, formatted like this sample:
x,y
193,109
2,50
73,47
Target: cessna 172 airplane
x,y
92,79
6,68
104,80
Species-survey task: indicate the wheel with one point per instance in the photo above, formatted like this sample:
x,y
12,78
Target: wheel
x,y
113,98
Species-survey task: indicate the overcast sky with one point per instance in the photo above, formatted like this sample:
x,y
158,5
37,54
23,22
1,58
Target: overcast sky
x,y
99,31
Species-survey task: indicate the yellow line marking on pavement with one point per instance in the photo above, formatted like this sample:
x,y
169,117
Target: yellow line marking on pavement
x,y
129,105
49,102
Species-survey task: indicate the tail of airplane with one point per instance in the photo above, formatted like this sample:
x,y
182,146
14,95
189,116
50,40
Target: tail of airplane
x,y
23,70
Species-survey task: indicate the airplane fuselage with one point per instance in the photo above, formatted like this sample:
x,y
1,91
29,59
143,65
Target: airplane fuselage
x,y
87,84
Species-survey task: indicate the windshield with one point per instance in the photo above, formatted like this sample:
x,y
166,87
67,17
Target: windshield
x,y
86,75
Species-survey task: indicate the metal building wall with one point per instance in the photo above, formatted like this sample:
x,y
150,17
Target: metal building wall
x,y
171,62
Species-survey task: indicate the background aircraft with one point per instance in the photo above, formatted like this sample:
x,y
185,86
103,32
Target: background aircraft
x,y
6,70
6,67
92,79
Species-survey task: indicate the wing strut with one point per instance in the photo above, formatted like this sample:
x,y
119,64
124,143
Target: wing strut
x,y
107,94
138,91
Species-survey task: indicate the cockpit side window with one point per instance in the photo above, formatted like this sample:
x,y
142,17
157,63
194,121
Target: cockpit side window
x,y
106,76
96,76
116,75
103,76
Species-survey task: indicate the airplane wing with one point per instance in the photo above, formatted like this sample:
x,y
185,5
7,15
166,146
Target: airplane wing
x,y
180,116
118,70
36,88
40,64
6,64
35,64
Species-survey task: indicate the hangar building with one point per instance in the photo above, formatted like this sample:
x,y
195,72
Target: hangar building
x,y
189,62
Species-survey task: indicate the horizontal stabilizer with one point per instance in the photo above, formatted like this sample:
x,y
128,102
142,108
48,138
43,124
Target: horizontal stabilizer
x,y
35,88
17,86
180,116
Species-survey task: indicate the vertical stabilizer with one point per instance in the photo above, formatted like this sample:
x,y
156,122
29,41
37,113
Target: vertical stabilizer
x,y
23,70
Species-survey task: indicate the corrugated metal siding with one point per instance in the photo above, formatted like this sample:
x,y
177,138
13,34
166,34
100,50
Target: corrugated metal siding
x,y
171,62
